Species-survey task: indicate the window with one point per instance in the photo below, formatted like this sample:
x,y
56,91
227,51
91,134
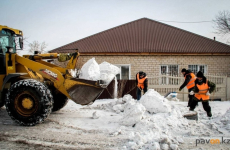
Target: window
x,y
125,72
3,44
169,69
196,68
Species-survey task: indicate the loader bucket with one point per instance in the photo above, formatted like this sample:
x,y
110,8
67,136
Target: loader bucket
x,y
83,91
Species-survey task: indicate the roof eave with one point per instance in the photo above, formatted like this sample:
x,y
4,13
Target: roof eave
x,y
133,54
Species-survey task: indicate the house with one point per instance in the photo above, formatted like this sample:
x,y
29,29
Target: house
x,y
154,48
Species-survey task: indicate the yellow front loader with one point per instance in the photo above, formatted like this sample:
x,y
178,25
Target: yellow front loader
x,y
32,88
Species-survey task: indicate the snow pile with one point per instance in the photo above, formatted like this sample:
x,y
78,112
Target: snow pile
x,y
156,123
95,115
154,102
133,113
149,123
130,125
226,119
108,72
90,70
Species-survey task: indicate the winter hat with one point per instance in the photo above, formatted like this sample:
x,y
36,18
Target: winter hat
x,y
141,73
200,74
183,70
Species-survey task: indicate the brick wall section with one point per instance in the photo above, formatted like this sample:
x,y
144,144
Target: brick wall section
x,y
151,64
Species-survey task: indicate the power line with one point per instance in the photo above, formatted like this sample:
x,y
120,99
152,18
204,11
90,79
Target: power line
x,y
185,21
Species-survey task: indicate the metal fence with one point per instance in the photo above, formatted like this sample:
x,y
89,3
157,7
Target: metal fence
x,y
168,83
164,84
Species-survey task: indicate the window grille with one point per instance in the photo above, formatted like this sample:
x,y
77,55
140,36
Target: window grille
x,y
169,70
196,68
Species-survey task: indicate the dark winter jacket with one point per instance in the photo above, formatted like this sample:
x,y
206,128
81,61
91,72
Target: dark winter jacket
x,y
187,79
145,82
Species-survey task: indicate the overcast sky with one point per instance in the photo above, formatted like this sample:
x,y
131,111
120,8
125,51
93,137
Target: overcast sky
x,y
59,22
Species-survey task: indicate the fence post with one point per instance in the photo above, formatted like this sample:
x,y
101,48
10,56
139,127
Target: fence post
x,y
227,87
185,96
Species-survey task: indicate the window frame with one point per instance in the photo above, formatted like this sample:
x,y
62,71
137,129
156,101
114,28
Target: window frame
x,y
167,68
120,65
198,66
166,80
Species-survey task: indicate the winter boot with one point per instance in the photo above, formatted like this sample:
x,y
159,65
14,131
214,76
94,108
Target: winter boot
x,y
209,114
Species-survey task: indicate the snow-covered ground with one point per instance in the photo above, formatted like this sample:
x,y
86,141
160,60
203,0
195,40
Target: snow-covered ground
x,y
151,123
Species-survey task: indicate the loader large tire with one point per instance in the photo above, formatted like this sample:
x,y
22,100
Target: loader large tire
x,y
29,102
2,98
60,100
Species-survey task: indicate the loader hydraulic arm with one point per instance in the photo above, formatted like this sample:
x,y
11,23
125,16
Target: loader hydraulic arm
x,y
72,57
47,72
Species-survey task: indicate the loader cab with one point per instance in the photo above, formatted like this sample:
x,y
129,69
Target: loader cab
x,y
9,38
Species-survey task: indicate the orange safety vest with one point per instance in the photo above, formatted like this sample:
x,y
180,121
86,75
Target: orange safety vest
x,y
140,83
203,89
191,83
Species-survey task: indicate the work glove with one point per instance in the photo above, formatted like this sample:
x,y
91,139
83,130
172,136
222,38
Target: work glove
x,y
191,93
208,94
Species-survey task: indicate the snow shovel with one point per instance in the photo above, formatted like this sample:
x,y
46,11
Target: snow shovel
x,y
191,115
166,95
179,93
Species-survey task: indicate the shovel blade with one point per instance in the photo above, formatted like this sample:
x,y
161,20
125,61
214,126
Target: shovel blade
x,y
174,94
83,91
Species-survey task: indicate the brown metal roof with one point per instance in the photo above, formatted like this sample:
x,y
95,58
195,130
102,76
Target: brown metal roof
x,y
145,36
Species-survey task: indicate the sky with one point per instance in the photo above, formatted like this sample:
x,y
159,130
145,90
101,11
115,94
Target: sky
x,y
59,22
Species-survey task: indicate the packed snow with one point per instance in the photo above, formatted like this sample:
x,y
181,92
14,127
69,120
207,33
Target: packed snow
x,y
90,70
105,71
123,123
142,125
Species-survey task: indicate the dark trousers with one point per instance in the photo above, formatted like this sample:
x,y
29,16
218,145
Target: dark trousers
x,y
138,94
205,104
190,97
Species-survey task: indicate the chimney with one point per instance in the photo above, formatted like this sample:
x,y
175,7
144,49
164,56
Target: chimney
x,y
214,38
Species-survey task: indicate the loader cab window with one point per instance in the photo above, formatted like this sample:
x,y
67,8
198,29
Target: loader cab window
x,y
7,38
3,32
3,42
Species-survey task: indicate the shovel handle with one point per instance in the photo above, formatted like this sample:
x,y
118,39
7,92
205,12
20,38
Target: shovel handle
x,y
188,93
142,91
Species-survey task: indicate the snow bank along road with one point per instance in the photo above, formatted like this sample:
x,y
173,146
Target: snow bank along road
x,y
152,123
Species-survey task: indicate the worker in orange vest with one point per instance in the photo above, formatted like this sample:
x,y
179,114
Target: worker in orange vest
x,y
202,88
189,82
142,83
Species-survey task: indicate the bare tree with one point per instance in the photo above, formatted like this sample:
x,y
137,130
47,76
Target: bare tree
x,y
222,22
36,46
222,25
